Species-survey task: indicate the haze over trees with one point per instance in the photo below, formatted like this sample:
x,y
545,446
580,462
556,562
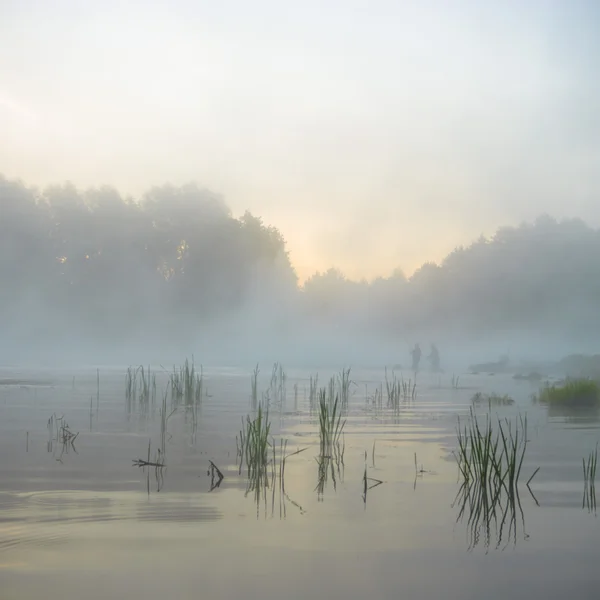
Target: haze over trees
x,y
93,270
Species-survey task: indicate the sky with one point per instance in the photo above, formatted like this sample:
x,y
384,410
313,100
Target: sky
x,y
373,134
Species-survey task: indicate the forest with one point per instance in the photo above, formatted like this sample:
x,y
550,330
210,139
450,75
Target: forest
x,y
175,265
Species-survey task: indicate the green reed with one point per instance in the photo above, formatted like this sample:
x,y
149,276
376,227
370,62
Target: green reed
x,y
254,388
589,467
573,393
492,399
492,455
313,395
399,390
187,385
331,425
253,446
344,382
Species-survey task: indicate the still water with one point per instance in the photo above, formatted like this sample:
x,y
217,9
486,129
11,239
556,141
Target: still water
x,y
80,520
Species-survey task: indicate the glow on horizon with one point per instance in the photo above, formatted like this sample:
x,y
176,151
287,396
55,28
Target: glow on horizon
x,y
374,136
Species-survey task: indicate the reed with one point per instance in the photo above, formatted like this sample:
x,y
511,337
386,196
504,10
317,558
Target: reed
x,y
399,390
589,468
254,443
131,388
277,387
344,382
165,415
331,425
573,393
492,455
313,396
254,388
187,384
492,399
589,478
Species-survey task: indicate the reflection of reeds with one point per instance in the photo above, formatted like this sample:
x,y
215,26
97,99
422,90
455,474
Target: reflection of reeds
x,y
330,464
490,458
264,463
157,464
369,482
490,516
589,478
493,456
589,467
60,435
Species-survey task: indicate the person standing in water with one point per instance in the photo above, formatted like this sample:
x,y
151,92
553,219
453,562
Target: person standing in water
x,y
434,358
416,357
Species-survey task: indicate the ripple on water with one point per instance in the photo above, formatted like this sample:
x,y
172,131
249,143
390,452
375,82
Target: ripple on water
x,y
44,519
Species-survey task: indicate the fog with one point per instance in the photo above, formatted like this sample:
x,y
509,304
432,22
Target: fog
x,y
371,134
92,277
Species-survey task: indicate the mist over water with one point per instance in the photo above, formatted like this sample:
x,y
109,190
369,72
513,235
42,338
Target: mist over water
x,y
299,300
93,277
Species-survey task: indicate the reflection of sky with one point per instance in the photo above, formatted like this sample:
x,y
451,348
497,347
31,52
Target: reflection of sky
x,y
87,527
337,123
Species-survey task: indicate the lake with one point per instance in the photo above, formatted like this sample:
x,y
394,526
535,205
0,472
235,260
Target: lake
x,y
380,518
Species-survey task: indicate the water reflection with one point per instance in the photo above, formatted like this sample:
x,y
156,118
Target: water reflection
x,y
155,465
265,480
330,464
589,498
494,519
574,415
60,437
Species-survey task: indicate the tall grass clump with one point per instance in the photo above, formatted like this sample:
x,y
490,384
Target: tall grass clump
x,y
253,447
573,393
492,399
589,479
140,389
277,392
187,385
490,459
491,455
148,389
331,425
399,390
343,380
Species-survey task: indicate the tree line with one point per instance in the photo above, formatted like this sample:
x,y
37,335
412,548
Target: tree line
x,y
97,265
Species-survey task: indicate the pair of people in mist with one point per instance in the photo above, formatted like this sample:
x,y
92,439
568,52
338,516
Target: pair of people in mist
x,y
434,358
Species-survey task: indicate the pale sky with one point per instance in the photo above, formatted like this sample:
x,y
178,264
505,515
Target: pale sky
x,y
374,134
